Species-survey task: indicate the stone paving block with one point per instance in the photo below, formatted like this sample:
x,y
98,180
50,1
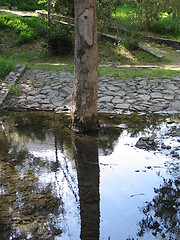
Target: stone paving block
x,y
122,106
156,95
117,100
175,105
40,96
144,97
105,99
53,94
168,97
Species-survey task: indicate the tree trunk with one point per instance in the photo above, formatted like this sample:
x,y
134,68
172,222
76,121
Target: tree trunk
x,y
84,98
49,13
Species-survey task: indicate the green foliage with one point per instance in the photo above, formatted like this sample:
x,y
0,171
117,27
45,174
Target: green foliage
x,y
166,25
46,67
28,29
64,7
60,39
161,16
5,3
149,12
5,67
130,73
104,10
27,5
124,13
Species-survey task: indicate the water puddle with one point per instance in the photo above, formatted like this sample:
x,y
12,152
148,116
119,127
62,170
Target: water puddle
x,y
122,183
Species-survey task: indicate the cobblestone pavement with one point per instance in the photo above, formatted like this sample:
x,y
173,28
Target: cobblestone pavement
x,y
51,90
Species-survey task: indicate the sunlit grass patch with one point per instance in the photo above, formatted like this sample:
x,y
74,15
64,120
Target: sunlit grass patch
x,y
130,73
124,13
53,67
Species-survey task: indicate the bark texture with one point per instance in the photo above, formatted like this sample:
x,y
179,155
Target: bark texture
x,y
84,98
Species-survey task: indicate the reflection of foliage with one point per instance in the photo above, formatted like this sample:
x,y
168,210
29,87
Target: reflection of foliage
x,y
25,207
108,135
135,123
4,144
107,139
162,213
38,125
32,125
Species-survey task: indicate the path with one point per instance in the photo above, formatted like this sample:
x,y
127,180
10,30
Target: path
x,y
50,90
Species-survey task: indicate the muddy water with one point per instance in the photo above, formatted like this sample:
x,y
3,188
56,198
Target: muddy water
x,y
58,185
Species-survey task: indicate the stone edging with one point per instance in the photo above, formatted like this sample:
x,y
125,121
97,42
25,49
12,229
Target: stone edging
x,y
13,77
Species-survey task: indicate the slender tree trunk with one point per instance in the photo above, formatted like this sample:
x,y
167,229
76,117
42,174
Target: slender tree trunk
x,y
49,13
84,98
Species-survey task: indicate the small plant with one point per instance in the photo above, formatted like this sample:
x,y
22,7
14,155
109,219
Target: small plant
x,y
31,81
60,40
44,83
13,88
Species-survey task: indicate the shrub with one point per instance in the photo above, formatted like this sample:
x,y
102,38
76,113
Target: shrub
x,y
60,40
29,28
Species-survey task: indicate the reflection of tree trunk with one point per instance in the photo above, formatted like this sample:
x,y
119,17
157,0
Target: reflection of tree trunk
x,y
86,157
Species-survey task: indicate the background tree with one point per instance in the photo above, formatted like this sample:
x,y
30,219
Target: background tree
x,y
49,12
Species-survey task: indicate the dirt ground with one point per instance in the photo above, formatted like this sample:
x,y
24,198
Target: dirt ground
x,y
171,55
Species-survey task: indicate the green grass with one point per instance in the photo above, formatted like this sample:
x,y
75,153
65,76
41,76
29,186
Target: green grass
x,y
130,73
53,67
125,14
5,67
120,54
25,56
